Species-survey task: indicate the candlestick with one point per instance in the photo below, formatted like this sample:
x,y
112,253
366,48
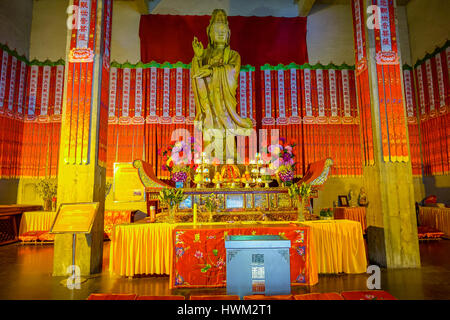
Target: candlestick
x,y
195,214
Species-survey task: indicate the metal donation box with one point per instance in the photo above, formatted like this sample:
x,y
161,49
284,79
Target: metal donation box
x,y
258,265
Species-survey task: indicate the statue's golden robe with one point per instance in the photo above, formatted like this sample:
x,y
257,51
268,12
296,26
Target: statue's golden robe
x,y
215,95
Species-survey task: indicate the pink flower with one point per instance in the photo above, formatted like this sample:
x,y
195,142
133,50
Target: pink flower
x,y
220,263
198,254
275,148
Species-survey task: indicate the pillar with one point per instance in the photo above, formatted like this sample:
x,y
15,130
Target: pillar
x,y
82,158
387,173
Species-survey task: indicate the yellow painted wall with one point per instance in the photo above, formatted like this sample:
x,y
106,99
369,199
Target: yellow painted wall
x,y
15,29
15,24
329,38
334,187
49,30
330,35
8,191
429,25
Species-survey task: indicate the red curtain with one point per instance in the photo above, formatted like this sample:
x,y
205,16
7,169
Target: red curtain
x,y
259,40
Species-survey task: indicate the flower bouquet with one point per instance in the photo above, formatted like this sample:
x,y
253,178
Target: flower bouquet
x,y
47,190
283,162
300,196
326,214
171,198
212,203
285,174
177,158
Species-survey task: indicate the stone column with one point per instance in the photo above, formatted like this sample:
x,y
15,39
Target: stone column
x,y
82,158
387,174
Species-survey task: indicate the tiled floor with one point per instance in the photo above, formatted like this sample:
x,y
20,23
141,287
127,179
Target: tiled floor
x,y
25,273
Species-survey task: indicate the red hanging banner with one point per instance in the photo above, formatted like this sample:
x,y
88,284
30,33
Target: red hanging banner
x,y
392,121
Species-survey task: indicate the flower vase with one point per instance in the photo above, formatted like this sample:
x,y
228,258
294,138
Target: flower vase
x,y
210,218
47,205
300,209
171,216
279,181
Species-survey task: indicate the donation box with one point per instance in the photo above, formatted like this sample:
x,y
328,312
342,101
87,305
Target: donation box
x,y
258,265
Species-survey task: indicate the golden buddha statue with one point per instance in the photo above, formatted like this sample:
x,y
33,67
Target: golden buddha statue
x,y
215,74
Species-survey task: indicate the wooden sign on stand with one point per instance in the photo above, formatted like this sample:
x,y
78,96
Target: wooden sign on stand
x,y
75,218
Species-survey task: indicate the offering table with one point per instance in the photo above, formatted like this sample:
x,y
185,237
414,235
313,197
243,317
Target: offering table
x,y
237,204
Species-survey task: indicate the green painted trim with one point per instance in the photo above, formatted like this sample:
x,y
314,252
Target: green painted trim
x,y
13,53
407,67
247,68
166,64
431,55
317,66
140,65
244,68
151,64
128,65
34,62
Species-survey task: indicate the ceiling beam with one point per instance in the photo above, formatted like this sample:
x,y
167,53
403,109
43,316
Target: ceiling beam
x,y
304,7
142,6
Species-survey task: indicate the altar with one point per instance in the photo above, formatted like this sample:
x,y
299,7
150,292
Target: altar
x,y
144,248
220,185
236,204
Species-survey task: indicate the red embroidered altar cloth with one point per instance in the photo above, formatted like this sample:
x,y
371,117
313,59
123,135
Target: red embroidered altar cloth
x,y
200,256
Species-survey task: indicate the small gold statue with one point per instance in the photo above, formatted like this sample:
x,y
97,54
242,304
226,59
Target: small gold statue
x,y
362,199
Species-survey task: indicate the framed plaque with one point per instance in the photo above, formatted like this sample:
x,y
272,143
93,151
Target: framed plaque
x,y
75,218
127,185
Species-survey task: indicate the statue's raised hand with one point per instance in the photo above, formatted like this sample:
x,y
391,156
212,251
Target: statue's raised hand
x,y
198,47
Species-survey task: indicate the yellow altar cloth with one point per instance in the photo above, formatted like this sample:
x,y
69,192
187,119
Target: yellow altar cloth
x,y
141,248
437,218
146,248
339,246
36,221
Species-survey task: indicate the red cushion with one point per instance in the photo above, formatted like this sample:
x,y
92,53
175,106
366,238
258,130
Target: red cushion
x,y
426,232
319,296
111,296
263,297
172,297
31,235
368,295
430,199
215,297
46,237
